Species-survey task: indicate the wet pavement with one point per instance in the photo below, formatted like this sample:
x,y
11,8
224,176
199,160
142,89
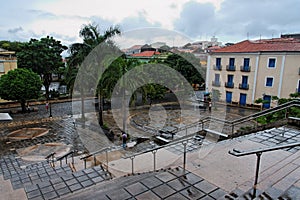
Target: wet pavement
x,y
211,173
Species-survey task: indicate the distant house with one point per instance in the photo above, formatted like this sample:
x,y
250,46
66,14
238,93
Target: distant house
x,y
145,56
249,70
8,61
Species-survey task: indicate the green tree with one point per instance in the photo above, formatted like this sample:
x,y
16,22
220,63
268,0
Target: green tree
x,y
43,57
91,37
11,46
20,85
188,66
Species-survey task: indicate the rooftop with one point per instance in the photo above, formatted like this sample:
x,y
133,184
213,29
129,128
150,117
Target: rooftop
x,y
146,54
264,45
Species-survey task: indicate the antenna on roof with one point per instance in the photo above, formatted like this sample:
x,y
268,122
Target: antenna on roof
x,y
259,36
247,35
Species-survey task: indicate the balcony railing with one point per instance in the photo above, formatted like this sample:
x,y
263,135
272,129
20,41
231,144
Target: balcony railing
x,y
217,67
216,83
229,84
245,68
244,86
230,67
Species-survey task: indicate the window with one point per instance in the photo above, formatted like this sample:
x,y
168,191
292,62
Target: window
x,y
2,67
246,62
217,78
230,78
231,62
269,82
218,62
272,62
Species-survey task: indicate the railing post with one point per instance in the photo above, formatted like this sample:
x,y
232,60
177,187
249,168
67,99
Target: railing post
x,y
73,158
106,155
256,173
232,129
52,159
95,160
184,154
84,163
154,160
132,165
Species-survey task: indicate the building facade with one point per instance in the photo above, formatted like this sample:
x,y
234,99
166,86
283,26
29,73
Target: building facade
x,y
8,61
250,70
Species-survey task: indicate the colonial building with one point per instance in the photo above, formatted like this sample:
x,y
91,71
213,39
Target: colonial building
x,y
8,61
249,70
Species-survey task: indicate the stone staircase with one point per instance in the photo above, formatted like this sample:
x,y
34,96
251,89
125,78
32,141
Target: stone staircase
x,y
42,181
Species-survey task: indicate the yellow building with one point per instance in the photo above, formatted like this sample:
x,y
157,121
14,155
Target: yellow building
x,y
8,61
249,70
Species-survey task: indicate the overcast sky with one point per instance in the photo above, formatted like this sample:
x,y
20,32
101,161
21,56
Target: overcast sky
x,y
228,20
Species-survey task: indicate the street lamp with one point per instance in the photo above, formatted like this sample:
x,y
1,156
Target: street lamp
x,y
50,106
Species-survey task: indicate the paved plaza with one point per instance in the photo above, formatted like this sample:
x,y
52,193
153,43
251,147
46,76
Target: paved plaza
x,y
209,172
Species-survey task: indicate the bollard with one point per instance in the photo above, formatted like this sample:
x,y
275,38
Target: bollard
x,y
154,160
132,164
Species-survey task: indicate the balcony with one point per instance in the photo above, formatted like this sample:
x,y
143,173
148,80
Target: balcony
x,y
216,83
230,67
229,84
244,86
217,67
245,68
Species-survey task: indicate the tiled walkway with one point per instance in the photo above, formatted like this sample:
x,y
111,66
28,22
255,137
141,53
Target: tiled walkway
x,y
165,184
41,181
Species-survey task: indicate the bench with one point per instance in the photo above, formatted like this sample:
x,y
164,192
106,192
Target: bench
x,y
162,140
216,133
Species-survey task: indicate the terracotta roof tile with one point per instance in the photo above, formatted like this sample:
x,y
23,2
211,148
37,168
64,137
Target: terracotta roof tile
x,y
267,45
146,54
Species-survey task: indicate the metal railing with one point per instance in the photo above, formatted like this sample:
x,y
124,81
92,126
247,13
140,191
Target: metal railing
x,y
259,152
106,149
66,157
154,151
245,68
51,155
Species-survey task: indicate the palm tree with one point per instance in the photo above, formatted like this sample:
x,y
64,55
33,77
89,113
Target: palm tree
x,y
79,51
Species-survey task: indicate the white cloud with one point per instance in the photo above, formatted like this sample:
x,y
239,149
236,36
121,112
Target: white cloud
x,y
229,20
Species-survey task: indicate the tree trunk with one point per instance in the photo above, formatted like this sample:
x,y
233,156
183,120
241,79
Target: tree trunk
x,y
100,99
47,79
23,106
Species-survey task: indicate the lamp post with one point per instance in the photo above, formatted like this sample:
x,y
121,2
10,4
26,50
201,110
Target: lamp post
x,y
50,106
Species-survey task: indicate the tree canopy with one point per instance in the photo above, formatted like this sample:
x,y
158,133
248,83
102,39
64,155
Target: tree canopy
x,y
188,66
43,57
20,85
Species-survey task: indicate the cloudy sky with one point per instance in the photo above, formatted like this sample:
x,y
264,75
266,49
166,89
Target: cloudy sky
x,y
228,20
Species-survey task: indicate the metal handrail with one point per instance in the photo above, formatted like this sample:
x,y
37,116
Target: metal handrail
x,y
239,153
66,157
105,149
258,152
51,155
